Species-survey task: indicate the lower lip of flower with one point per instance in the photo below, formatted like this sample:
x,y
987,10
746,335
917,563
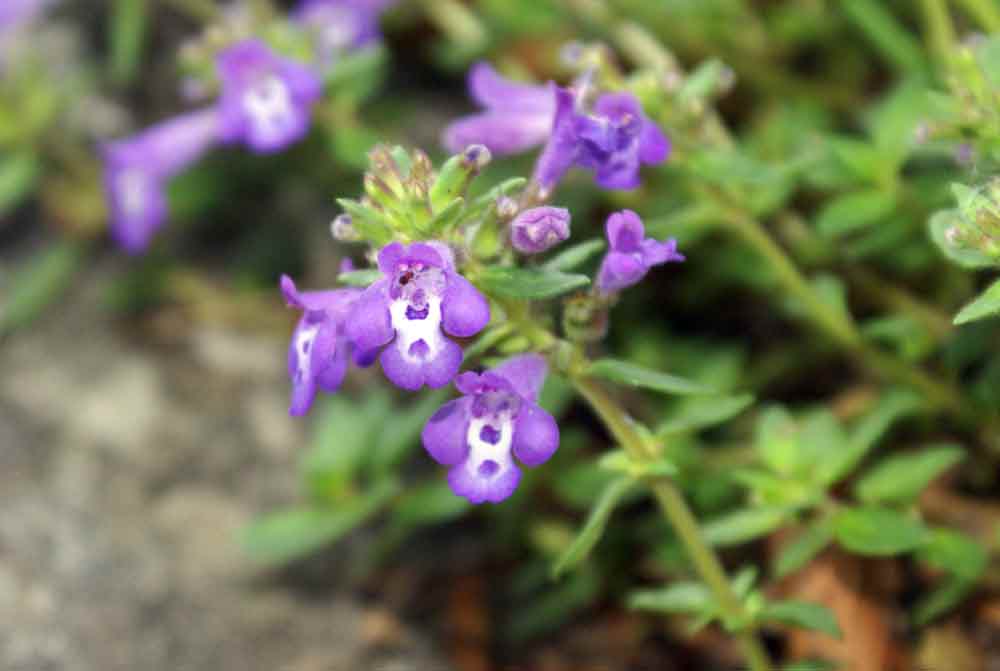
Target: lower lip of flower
x,y
269,105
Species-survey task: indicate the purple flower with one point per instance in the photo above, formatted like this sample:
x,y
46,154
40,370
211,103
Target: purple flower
x,y
317,354
631,254
497,418
613,142
516,117
340,25
539,229
16,13
136,171
409,311
266,100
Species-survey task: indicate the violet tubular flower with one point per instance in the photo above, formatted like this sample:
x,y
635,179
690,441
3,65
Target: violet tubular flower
x,y
631,254
266,100
497,418
340,26
539,229
318,351
515,116
409,313
137,169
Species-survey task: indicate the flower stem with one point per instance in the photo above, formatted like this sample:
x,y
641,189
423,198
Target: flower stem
x,y
985,12
680,517
940,31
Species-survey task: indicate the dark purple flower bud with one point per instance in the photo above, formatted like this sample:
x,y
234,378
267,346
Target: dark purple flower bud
x,y
539,229
496,419
266,101
613,142
408,313
631,254
318,351
340,25
137,169
515,116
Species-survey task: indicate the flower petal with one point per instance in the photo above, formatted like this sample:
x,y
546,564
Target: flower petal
x,y
444,434
501,133
465,310
368,326
536,435
526,374
492,91
655,252
654,146
479,488
390,256
561,150
619,271
625,231
411,373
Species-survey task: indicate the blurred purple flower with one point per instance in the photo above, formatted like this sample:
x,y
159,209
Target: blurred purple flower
x,y
16,13
631,254
266,99
612,141
497,418
516,116
136,170
340,25
317,353
539,229
408,312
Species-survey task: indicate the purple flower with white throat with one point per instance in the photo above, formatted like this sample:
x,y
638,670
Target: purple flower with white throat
x,y
515,118
497,418
266,100
318,351
613,141
539,229
408,313
137,169
339,26
631,254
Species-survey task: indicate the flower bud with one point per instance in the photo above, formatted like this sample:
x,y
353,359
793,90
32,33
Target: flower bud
x,y
539,229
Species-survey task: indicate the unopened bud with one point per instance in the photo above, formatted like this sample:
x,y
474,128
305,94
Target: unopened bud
x,y
342,228
539,229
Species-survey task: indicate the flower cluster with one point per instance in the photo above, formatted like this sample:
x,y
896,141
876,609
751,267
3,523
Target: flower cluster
x,y
265,102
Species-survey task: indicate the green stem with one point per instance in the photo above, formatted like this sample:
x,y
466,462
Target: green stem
x,y
985,12
680,517
940,31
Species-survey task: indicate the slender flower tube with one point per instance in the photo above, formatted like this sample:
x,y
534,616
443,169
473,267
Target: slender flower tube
x,y
266,100
496,419
539,229
318,351
631,254
515,117
408,313
136,170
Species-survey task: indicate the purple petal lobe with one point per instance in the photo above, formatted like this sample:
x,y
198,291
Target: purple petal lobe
x,y
444,434
618,271
525,373
492,91
654,147
489,481
502,133
536,435
625,231
369,326
562,149
465,310
411,369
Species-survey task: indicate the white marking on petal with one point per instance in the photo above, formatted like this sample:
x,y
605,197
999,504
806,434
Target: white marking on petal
x,y
304,339
133,188
269,104
410,331
482,452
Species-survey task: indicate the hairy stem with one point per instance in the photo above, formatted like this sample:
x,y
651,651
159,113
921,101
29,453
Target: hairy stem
x,y
680,517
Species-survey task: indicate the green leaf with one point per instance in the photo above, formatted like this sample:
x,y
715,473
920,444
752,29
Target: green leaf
x,y
39,284
574,256
128,29
701,413
877,531
776,440
942,599
900,478
854,211
894,406
803,614
810,665
896,43
938,226
593,528
683,597
634,375
987,304
294,533
19,172
431,503
528,283
399,432
955,553
801,549
360,278
744,525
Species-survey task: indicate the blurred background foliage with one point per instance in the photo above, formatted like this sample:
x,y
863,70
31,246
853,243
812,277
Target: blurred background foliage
x,y
832,187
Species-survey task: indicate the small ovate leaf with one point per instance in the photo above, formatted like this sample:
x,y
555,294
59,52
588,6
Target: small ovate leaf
x,y
744,525
776,440
360,278
987,304
128,30
942,599
692,598
900,478
399,432
431,503
938,226
955,553
803,614
634,375
701,414
854,211
876,531
528,283
294,533
574,256
593,528
800,550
